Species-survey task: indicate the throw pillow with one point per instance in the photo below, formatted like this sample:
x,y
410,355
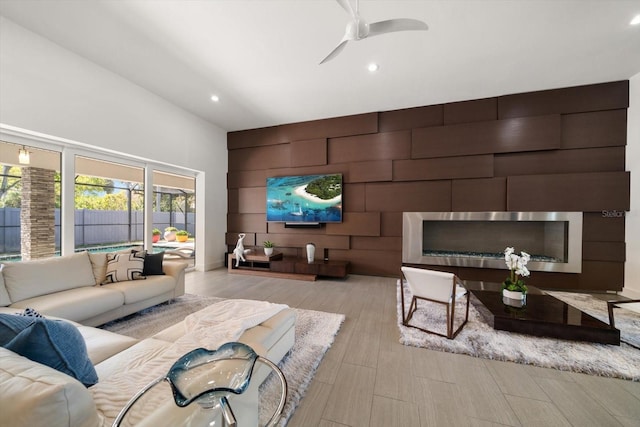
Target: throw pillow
x,y
153,264
55,343
124,266
30,312
11,325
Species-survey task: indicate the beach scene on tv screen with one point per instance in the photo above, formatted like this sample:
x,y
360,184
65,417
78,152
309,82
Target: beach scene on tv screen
x,y
308,198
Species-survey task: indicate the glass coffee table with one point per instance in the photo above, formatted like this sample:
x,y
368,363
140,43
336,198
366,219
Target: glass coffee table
x,y
542,315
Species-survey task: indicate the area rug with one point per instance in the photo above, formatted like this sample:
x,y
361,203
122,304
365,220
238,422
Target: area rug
x,y
479,339
315,332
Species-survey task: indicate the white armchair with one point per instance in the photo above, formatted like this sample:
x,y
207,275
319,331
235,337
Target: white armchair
x,y
437,287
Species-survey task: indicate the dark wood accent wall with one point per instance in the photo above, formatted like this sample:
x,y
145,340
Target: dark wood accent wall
x,y
553,150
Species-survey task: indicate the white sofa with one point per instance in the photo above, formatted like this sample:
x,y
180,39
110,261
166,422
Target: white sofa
x,y
70,287
37,395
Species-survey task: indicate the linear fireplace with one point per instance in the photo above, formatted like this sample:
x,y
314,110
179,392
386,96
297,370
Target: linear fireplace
x,y
478,239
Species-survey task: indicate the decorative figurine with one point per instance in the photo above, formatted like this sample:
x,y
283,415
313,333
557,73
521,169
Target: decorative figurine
x,y
239,250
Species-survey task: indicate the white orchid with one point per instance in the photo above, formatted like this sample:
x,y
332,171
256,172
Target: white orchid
x,y
517,266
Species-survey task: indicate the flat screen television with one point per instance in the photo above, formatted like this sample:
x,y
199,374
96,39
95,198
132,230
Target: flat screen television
x,y
305,199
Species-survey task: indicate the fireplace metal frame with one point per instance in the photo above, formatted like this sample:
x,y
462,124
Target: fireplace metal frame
x,y
412,234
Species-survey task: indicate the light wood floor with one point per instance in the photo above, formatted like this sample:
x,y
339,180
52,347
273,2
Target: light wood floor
x,y
368,378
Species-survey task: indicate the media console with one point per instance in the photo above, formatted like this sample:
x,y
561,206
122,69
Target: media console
x,y
276,265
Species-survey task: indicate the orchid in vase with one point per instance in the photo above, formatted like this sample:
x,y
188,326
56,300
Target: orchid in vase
x,y
518,270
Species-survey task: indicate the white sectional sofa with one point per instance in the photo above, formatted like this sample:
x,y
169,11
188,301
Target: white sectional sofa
x,y
34,394
71,287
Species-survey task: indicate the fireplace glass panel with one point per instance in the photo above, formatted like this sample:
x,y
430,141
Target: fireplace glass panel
x,y
543,240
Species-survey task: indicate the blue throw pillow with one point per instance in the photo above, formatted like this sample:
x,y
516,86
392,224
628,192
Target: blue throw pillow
x,y
55,343
11,325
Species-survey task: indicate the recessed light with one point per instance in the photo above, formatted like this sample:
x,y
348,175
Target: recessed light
x,y
635,20
215,98
373,67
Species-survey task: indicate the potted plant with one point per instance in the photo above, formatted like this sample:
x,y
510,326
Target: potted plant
x,y
268,247
514,287
182,236
170,234
156,235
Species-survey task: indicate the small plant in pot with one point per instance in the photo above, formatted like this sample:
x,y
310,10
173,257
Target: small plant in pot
x,y
182,236
514,287
170,234
156,235
268,247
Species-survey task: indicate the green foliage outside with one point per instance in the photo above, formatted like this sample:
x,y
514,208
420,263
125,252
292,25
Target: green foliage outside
x,y
326,187
93,193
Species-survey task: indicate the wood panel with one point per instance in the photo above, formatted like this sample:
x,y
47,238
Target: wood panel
x,y
391,224
246,223
443,168
380,146
479,195
309,153
356,224
252,200
597,97
239,179
254,138
408,196
478,110
232,200
358,124
598,275
560,161
410,118
598,129
590,192
257,158
499,136
376,263
596,227
603,251
353,197
377,170
377,243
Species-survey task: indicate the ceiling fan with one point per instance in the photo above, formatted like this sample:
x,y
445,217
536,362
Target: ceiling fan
x,y
358,28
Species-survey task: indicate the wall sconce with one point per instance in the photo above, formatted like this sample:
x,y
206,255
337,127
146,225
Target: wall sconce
x,y
23,156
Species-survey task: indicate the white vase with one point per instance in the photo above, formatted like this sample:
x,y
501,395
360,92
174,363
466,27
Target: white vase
x,y
170,236
268,251
311,252
513,294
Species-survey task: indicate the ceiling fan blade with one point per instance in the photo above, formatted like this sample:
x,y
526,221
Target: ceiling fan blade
x,y
346,5
335,51
393,25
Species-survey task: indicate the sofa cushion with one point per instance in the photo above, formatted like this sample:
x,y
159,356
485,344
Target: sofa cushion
x,y
75,304
123,267
103,344
28,279
54,343
99,266
139,290
35,395
4,295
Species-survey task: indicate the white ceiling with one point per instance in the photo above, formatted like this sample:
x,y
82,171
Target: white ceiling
x,y
262,57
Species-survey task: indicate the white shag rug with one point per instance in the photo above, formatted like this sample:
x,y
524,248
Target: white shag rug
x,y
479,339
315,333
